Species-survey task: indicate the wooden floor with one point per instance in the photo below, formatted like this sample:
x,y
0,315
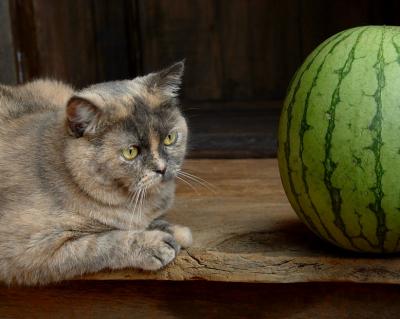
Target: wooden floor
x,y
251,257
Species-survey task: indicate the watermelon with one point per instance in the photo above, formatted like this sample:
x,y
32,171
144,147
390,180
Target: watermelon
x,y
339,140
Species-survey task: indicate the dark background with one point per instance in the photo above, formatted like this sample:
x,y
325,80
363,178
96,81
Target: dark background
x,y
240,55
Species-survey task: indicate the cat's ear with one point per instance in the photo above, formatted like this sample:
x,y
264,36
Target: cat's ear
x,y
82,116
169,80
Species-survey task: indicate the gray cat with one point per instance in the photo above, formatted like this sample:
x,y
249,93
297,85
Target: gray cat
x,y
85,177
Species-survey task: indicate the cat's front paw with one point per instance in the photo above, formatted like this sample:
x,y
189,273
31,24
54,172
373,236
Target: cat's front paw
x,y
159,249
182,234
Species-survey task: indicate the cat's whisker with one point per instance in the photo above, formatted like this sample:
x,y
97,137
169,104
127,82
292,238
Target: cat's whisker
x,y
138,214
191,180
131,198
129,206
137,195
141,199
139,210
189,184
199,178
134,197
143,202
200,181
128,201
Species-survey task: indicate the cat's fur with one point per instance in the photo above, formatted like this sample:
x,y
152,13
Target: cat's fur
x,y
67,204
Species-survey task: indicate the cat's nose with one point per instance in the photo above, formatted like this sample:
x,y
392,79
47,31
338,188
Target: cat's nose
x,y
161,170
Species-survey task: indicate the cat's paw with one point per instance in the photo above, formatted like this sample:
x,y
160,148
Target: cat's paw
x,y
159,249
182,234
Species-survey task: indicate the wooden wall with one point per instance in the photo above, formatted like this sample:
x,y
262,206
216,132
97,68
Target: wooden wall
x,y
81,42
240,54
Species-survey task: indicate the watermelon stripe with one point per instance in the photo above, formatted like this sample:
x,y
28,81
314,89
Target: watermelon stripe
x,y
361,234
289,111
377,143
304,127
329,164
397,49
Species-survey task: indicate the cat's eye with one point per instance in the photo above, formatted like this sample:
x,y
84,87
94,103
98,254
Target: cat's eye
x,y
171,138
130,153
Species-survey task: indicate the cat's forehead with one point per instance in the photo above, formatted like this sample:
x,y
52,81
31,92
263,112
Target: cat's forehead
x,y
137,106
162,117
128,93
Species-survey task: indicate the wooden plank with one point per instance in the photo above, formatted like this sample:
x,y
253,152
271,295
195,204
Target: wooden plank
x,y
25,42
91,43
234,50
176,29
259,47
66,42
115,55
247,232
8,68
200,300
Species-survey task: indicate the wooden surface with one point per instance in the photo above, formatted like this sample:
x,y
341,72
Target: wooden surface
x,y
192,300
247,232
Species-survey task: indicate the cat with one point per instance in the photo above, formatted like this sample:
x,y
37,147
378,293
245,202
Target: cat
x,y
86,177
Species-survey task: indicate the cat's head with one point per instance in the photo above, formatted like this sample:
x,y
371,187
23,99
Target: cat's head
x,y
127,135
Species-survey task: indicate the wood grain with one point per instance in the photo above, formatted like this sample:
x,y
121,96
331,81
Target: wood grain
x,y
233,50
80,42
247,232
25,41
115,45
66,52
254,36
174,30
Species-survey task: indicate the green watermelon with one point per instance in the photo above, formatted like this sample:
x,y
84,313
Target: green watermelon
x,y
339,140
